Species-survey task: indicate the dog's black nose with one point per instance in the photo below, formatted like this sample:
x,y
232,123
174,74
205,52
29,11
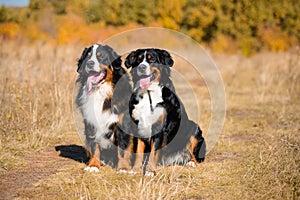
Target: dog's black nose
x,y
90,64
142,67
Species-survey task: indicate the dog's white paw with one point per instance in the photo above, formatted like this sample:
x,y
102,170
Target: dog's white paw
x,y
91,169
148,173
122,171
102,163
132,172
191,164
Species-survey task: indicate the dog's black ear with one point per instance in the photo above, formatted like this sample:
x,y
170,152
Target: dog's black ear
x,y
165,58
81,59
130,59
112,58
117,63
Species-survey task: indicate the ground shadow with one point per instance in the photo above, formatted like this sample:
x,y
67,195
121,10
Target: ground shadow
x,y
79,154
74,152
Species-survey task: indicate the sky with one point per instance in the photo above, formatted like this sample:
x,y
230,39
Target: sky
x,y
14,2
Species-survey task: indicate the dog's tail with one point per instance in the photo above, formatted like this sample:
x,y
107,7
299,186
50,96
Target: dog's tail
x,y
200,149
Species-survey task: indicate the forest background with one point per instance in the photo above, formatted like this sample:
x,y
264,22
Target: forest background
x,y
253,43
244,26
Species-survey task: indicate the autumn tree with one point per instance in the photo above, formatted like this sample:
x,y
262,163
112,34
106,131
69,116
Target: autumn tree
x,y
170,13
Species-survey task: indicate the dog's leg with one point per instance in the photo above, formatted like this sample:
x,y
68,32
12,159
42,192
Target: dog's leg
x,y
94,162
153,158
200,149
124,156
196,148
93,148
139,158
191,147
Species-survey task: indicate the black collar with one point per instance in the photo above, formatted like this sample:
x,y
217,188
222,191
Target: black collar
x,y
150,99
152,77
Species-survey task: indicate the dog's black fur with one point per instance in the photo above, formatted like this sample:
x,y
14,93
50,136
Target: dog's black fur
x,y
108,62
178,139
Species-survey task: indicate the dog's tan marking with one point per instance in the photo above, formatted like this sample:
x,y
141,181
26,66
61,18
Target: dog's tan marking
x,y
191,146
109,74
157,71
153,158
124,161
162,117
121,116
139,158
95,159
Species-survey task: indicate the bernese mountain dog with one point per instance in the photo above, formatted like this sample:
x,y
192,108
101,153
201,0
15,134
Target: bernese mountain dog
x,y
165,135
100,69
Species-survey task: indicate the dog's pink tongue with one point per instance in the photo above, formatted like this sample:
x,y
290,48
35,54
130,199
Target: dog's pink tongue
x,y
94,79
145,82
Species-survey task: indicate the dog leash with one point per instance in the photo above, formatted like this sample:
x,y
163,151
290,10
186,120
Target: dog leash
x,y
151,107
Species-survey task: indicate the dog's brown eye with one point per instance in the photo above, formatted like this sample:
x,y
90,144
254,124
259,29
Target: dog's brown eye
x,y
149,57
140,57
98,54
89,54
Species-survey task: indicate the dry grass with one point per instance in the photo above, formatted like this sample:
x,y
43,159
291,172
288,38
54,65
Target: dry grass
x,y
257,155
36,86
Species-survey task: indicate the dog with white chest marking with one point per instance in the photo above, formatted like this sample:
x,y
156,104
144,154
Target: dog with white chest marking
x,y
164,131
100,69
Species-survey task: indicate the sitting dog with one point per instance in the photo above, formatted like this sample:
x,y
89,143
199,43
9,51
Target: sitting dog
x,y
99,69
163,128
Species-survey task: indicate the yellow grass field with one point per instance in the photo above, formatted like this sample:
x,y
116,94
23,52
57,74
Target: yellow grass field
x,y
257,155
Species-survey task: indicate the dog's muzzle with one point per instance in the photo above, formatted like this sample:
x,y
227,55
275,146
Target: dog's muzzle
x,y
90,64
145,81
94,79
143,69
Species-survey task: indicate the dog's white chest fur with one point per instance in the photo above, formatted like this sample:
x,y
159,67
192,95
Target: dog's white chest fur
x,y
143,113
93,112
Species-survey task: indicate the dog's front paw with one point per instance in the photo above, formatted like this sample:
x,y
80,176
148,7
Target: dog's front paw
x,y
149,173
191,164
132,172
124,171
91,169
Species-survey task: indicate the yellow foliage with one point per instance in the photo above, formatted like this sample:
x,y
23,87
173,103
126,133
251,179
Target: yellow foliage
x,y
274,39
248,45
78,6
196,33
33,32
72,29
171,13
279,44
223,43
169,22
9,29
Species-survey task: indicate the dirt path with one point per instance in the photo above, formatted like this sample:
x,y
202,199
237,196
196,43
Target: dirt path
x,y
21,181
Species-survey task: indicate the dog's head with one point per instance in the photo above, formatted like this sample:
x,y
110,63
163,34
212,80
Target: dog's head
x,y
149,65
97,64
